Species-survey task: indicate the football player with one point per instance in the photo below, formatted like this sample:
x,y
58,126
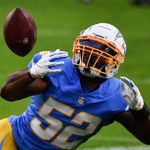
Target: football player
x,y
72,99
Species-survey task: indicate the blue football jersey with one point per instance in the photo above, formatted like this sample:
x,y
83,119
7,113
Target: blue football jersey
x,y
66,115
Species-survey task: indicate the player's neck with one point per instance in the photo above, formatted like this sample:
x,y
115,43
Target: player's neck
x,y
91,83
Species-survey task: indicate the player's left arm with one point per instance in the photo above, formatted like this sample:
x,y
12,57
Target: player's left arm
x,y
20,85
137,118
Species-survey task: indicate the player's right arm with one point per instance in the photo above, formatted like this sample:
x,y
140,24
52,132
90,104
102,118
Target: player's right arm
x,y
21,85
31,81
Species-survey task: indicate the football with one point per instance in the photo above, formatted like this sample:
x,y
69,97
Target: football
x,y
20,32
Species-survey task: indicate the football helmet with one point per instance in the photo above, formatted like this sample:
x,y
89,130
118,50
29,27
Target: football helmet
x,y
99,51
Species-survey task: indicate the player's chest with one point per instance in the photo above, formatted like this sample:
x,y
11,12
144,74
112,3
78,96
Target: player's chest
x,y
71,95
76,104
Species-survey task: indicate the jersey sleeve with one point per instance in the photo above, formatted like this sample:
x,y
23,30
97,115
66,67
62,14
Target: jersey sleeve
x,y
35,59
118,101
59,81
56,80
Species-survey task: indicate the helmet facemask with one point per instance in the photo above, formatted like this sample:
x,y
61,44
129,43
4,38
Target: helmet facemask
x,y
96,57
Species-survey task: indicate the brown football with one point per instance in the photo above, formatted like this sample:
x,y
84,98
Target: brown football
x,y
20,32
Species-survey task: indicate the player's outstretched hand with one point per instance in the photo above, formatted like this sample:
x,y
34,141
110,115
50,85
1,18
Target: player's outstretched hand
x,y
43,66
131,94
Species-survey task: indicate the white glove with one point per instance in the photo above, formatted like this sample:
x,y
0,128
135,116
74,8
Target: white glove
x,y
42,67
132,94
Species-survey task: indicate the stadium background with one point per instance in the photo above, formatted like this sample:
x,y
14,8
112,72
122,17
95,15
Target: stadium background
x,y
58,23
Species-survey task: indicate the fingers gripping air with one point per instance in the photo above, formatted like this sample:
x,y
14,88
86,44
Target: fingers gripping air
x,y
132,94
43,66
